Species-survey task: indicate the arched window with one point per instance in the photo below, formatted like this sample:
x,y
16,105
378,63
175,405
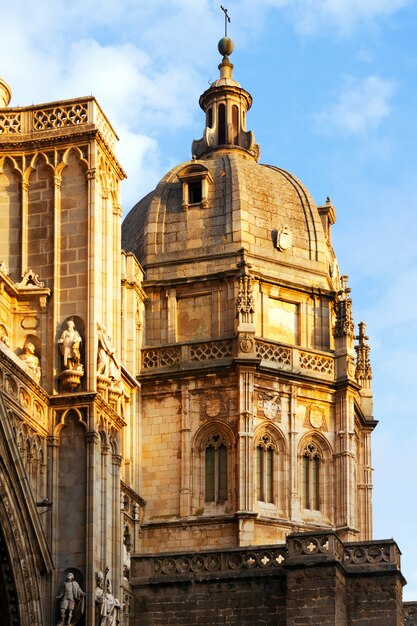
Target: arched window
x,y
216,469
235,124
265,452
222,124
311,477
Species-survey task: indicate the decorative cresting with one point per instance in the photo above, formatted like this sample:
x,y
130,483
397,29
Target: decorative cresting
x,y
363,371
344,326
30,279
225,104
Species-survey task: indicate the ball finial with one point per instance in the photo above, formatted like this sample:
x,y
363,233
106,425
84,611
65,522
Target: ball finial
x,y
225,46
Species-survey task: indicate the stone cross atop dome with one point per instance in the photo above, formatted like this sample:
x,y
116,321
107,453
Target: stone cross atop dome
x,y
225,104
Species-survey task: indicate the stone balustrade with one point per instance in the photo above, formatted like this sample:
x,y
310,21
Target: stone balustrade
x,y
33,120
299,548
272,355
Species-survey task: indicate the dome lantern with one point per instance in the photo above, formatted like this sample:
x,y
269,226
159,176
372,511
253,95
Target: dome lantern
x,y
225,104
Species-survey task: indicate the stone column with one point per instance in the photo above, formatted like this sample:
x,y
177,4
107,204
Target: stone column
x,y
93,493
52,518
185,453
245,456
24,243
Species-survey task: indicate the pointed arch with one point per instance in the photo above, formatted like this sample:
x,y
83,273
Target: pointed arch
x,y
11,218
270,467
315,475
213,452
23,544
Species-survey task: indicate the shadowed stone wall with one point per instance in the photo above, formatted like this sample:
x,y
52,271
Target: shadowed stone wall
x,y
313,579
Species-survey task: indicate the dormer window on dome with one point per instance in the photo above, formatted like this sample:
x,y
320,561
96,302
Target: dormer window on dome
x,y
195,181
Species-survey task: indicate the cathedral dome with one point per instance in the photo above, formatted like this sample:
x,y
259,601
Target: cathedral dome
x,y
223,201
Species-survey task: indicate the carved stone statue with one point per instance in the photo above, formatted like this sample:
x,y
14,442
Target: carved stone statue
x,y
107,606
126,561
107,362
70,342
71,598
31,360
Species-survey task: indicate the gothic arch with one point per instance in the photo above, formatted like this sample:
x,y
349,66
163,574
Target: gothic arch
x,y
23,544
70,413
213,462
315,475
270,468
11,217
39,159
66,159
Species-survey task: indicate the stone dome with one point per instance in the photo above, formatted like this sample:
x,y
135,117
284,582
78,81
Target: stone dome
x,y
207,213
248,205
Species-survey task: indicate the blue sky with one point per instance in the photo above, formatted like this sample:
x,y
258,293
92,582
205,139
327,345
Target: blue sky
x,y
335,101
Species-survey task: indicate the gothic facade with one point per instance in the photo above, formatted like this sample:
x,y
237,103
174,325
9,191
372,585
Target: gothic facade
x,y
184,400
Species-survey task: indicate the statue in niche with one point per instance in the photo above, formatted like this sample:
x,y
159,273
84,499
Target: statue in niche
x,y
126,562
71,598
4,336
30,359
108,365
107,606
69,343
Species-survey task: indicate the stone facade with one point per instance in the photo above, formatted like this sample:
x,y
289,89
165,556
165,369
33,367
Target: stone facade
x,y
67,392
185,404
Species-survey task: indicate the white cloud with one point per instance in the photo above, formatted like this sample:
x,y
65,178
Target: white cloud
x,y
310,17
140,157
359,107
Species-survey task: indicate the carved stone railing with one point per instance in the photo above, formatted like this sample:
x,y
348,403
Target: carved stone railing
x,y
372,553
180,355
294,359
59,115
410,613
300,549
271,354
274,353
228,561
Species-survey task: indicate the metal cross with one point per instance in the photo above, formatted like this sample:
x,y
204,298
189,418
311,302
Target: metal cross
x,y
226,19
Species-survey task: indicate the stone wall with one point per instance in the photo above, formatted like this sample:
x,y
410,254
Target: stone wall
x,y
313,579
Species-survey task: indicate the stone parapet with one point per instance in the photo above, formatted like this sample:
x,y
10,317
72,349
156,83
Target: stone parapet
x,y
15,122
271,355
313,578
410,613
